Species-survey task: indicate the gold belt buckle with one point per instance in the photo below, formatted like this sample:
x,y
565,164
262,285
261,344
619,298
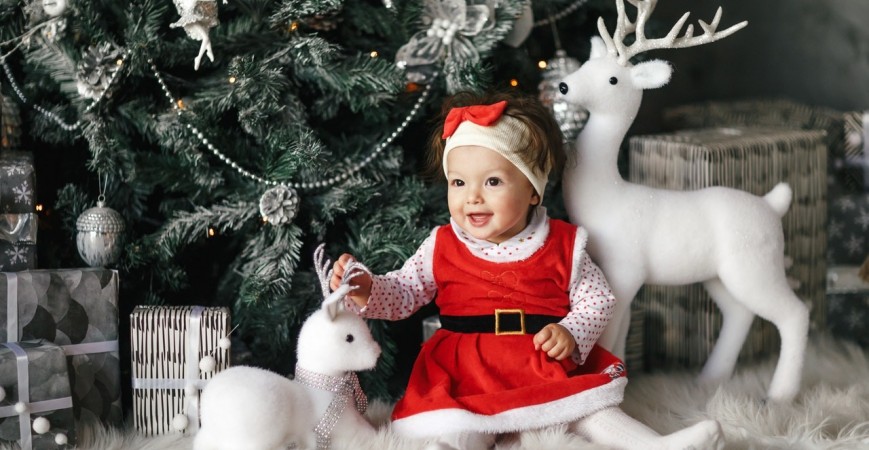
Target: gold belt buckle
x,y
498,313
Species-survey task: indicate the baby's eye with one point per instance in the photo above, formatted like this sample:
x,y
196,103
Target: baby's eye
x,y
456,182
493,182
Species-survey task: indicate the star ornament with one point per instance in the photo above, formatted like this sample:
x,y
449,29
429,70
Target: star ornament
x,y
449,27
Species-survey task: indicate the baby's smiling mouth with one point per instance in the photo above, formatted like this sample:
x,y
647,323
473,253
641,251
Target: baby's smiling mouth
x,y
478,219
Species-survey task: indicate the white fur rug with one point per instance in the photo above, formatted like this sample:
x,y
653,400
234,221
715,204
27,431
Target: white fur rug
x,y
831,412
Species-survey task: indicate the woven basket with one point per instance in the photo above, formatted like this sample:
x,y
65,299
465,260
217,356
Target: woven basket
x,y
682,322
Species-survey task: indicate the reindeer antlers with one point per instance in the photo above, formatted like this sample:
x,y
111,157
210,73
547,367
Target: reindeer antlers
x,y
617,48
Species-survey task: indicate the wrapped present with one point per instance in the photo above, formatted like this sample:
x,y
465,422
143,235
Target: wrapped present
x,y
776,113
848,229
682,322
18,220
76,309
855,158
37,409
175,351
10,124
848,304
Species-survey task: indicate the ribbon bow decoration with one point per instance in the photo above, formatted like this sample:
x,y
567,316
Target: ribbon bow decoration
x,y
483,115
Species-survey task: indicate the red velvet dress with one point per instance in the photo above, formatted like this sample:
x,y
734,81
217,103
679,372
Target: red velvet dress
x,y
489,383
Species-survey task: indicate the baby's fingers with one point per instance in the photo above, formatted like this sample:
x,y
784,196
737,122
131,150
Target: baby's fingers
x,y
541,338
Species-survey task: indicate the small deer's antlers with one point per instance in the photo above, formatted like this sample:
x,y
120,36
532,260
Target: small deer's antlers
x,y
617,48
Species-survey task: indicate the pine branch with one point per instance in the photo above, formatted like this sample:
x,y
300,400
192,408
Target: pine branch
x,y
187,227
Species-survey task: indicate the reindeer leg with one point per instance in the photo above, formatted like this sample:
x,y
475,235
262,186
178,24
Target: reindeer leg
x,y
615,335
737,321
768,295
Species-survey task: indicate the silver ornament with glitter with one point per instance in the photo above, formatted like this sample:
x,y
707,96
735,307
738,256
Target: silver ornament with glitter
x,y
279,205
571,118
100,235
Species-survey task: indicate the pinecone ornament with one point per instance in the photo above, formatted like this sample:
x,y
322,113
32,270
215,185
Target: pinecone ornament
x,y
96,69
279,205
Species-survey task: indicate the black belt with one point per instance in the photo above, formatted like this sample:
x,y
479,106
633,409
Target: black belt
x,y
504,321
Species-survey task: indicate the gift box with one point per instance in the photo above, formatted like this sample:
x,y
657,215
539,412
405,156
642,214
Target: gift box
x,y
854,163
175,351
77,309
682,322
848,229
18,220
34,375
848,304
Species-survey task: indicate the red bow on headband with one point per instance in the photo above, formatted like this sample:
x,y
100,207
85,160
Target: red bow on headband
x,y
484,115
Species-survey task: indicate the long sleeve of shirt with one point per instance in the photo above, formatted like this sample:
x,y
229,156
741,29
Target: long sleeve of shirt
x,y
591,301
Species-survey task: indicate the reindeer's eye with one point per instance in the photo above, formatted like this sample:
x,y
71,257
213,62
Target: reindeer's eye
x,y
350,338
563,88
614,80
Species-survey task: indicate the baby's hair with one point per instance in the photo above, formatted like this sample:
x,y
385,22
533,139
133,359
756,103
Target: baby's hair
x,y
545,141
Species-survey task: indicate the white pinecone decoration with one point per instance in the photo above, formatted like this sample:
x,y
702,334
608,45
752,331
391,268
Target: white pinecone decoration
x,y
95,70
279,205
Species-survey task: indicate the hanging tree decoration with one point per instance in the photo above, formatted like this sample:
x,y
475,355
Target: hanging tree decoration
x,y
279,205
197,18
46,16
450,25
96,70
100,233
571,118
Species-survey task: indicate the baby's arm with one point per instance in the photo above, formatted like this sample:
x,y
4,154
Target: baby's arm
x,y
397,294
591,301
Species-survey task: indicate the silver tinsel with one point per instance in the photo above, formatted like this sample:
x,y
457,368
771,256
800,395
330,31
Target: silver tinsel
x,y
571,118
100,235
348,393
95,69
279,205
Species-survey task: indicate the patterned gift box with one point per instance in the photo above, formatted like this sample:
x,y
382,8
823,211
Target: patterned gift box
x,y
35,374
854,162
18,220
682,322
848,304
175,350
848,229
76,309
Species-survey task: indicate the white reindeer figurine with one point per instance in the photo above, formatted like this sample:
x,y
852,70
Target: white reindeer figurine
x,y
247,408
729,240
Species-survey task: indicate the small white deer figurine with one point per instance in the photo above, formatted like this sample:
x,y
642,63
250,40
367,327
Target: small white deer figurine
x,y
729,240
248,408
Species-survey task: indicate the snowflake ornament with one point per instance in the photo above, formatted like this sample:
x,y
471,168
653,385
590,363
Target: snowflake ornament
x,y
450,26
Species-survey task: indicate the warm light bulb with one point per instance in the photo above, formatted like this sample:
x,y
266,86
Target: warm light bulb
x,y
180,103
514,82
120,62
211,232
374,54
39,207
542,64
232,79
294,26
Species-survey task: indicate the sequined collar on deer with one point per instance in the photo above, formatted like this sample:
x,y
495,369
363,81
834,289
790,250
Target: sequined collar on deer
x,y
517,248
346,389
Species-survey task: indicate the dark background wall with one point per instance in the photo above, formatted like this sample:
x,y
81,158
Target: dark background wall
x,y
815,52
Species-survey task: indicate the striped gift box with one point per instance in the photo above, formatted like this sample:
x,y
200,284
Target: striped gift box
x,y
175,350
682,322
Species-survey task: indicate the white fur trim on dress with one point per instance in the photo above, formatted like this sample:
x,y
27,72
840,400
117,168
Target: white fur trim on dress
x,y
564,410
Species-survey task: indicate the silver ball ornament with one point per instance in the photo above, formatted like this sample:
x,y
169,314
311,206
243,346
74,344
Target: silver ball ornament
x,y
570,118
100,235
61,439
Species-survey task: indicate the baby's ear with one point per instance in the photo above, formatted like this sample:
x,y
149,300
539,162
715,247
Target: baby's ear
x,y
535,199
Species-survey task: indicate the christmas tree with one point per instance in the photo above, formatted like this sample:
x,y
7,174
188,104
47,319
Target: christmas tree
x,y
234,137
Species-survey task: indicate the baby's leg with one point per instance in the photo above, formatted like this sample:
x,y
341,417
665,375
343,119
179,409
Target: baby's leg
x,y
464,441
614,428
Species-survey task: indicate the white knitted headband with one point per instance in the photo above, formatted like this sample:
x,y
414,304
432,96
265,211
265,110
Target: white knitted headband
x,y
507,136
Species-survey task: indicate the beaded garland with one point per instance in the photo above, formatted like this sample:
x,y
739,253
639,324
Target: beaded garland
x,y
345,388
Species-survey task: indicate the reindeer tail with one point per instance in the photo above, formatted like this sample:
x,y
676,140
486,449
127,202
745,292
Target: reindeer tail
x,y
779,198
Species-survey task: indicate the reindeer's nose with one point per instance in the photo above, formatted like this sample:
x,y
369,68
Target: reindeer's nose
x,y
562,87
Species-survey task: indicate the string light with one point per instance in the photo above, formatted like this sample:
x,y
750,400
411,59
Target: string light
x,y
514,82
541,64
211,232
232,79
294,26
39,207
180,103
303,185
374,54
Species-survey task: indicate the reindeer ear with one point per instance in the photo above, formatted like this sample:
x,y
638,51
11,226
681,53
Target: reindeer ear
x,y
333,302
598,48
651,74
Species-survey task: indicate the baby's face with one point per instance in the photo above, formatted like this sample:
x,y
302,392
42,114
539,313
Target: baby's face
x,y
488,196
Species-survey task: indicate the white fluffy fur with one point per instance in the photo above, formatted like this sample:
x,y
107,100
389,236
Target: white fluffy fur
x,y
831,411
246,408
727,239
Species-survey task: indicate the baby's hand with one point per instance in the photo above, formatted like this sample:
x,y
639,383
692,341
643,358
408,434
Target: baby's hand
x,y
555,340
362,281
